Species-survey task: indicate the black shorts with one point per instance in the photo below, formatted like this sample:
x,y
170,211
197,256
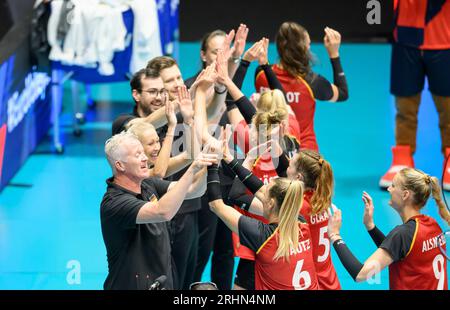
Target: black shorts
x,y
409,66
245,274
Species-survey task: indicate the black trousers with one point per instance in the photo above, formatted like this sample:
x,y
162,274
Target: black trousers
x,y
215,236
184,242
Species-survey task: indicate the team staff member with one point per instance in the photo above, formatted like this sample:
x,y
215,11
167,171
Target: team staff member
x,y
149,95
160,162
301,84
134,212
282,248
184,226
411,250
421,48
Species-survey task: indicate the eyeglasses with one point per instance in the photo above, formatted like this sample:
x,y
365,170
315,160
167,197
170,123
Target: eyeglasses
x,y
153,92
210,286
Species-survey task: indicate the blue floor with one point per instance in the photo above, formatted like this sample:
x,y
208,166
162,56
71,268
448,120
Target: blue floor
x,y
49,215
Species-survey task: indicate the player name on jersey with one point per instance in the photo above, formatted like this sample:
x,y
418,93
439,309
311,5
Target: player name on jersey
x,y
319,218
432,243
303,246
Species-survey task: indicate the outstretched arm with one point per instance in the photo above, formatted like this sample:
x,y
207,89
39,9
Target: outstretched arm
x,y
226,213
162,162
166,208
332,42
376,234
379,260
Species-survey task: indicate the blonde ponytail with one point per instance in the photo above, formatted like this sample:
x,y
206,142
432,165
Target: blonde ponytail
x,y
288,194
437,195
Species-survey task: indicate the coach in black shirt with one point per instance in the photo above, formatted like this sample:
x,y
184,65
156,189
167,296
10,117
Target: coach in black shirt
x,y
134,214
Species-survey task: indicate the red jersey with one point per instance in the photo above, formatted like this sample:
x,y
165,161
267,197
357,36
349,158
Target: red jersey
x,y
423,24
424,267
301,100
318,224
265,171
296,274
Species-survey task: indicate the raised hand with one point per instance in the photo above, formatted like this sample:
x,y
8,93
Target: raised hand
x,y
226,49
204,159
208,78
227,156
239,41
222,68
254,98
185,103
334,223
263,52
253,52
170,114
213,145
332,42
368,211
276,134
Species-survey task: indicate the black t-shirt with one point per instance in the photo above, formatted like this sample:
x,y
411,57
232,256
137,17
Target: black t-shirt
x,y
399,240
137,253
253,233
122,120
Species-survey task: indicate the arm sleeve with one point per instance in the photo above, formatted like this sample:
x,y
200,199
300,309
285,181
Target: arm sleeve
x,y
281,164
377,236
213,183
121,211
320,86
241,71
253,233
252,182
272,79
246,108
238,195
339,79
399,241
350,262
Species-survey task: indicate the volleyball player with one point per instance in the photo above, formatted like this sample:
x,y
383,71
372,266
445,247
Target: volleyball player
x,y
282,247
301,84
311,168
411,250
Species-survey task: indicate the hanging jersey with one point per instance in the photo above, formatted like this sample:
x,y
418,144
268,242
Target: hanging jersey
x,y
301,99
296,274
424,24
318,224
418,261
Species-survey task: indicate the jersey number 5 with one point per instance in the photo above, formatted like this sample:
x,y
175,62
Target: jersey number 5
x,y
323,240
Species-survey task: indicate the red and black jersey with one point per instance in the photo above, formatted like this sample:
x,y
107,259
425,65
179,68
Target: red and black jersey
x,y
301,94
296,274
418,261
265,170
318,224
424,24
